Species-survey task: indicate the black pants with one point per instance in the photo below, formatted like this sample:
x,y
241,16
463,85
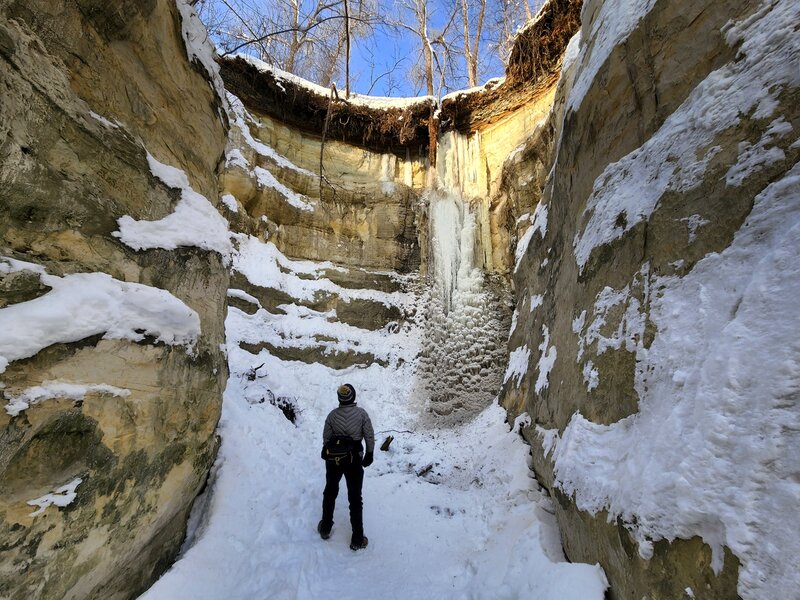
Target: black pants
x,y
354,477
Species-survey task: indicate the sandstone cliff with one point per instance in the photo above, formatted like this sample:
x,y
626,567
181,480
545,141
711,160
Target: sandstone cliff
x,y
111,365
653,291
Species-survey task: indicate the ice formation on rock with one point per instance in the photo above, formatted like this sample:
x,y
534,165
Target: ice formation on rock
x,y
461,365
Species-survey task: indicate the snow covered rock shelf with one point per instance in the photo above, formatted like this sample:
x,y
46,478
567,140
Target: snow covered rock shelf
x,y
658,299
111,371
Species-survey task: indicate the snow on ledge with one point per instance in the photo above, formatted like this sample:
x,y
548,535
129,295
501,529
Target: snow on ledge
x,y
267,179
103,121
229,200
615,21
199,47
538,223
546,361
376,102
264,265
195,222
86,304
240,116
58,389
61,497
517,365
491,84
676,156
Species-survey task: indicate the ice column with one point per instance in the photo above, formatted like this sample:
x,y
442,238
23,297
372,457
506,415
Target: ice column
x,y
461,362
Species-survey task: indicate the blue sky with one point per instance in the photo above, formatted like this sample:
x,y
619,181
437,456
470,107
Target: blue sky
x,y
380,65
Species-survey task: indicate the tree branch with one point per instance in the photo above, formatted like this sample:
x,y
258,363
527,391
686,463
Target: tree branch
x,y
304,29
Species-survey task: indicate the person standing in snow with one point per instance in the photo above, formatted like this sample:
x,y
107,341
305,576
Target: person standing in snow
x,y
344,429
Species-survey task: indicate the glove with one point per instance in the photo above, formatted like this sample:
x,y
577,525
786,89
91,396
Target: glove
x,y
367,460
322,454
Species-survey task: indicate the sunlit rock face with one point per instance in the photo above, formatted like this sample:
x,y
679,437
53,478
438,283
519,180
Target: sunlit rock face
x,y
363,214
110,428
652,295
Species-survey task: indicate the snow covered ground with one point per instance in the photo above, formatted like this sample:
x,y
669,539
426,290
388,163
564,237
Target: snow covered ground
x,y
475,526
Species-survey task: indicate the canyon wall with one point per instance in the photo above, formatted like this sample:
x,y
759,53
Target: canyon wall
x,y
642,205
110,350
656,285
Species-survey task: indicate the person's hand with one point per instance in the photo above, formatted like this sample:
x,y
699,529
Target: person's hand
x,y
322,454
367,460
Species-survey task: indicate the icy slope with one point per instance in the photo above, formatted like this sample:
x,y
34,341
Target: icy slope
x,y
475,526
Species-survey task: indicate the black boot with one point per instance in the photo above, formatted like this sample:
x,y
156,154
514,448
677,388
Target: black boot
x,y
324,532
357,543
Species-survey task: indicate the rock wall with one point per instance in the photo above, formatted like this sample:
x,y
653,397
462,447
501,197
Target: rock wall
x,y
653,293
363,215
109,424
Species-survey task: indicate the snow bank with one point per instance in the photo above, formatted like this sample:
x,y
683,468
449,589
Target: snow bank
x,y
376,102
195,222
713,451
86,304
58,389
676,156
483,522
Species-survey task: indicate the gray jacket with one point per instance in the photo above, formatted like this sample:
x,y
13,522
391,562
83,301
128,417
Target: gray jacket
x,y
349,420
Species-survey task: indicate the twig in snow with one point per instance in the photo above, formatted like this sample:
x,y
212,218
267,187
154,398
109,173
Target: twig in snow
x,y
425,470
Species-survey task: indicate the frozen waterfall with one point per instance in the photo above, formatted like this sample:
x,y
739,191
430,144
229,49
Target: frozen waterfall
x,y
462,350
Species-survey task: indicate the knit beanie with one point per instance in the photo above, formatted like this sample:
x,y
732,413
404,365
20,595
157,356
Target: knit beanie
x,y
346,393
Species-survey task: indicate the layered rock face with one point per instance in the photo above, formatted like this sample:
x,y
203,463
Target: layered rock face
x,y
111,365
654,290
363,212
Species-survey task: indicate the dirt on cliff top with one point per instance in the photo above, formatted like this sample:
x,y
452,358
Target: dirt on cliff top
x,y
533,66
390,128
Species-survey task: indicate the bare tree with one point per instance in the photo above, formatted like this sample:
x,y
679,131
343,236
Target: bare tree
x,y
314,38
507,16
435,45
305,37
472,53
